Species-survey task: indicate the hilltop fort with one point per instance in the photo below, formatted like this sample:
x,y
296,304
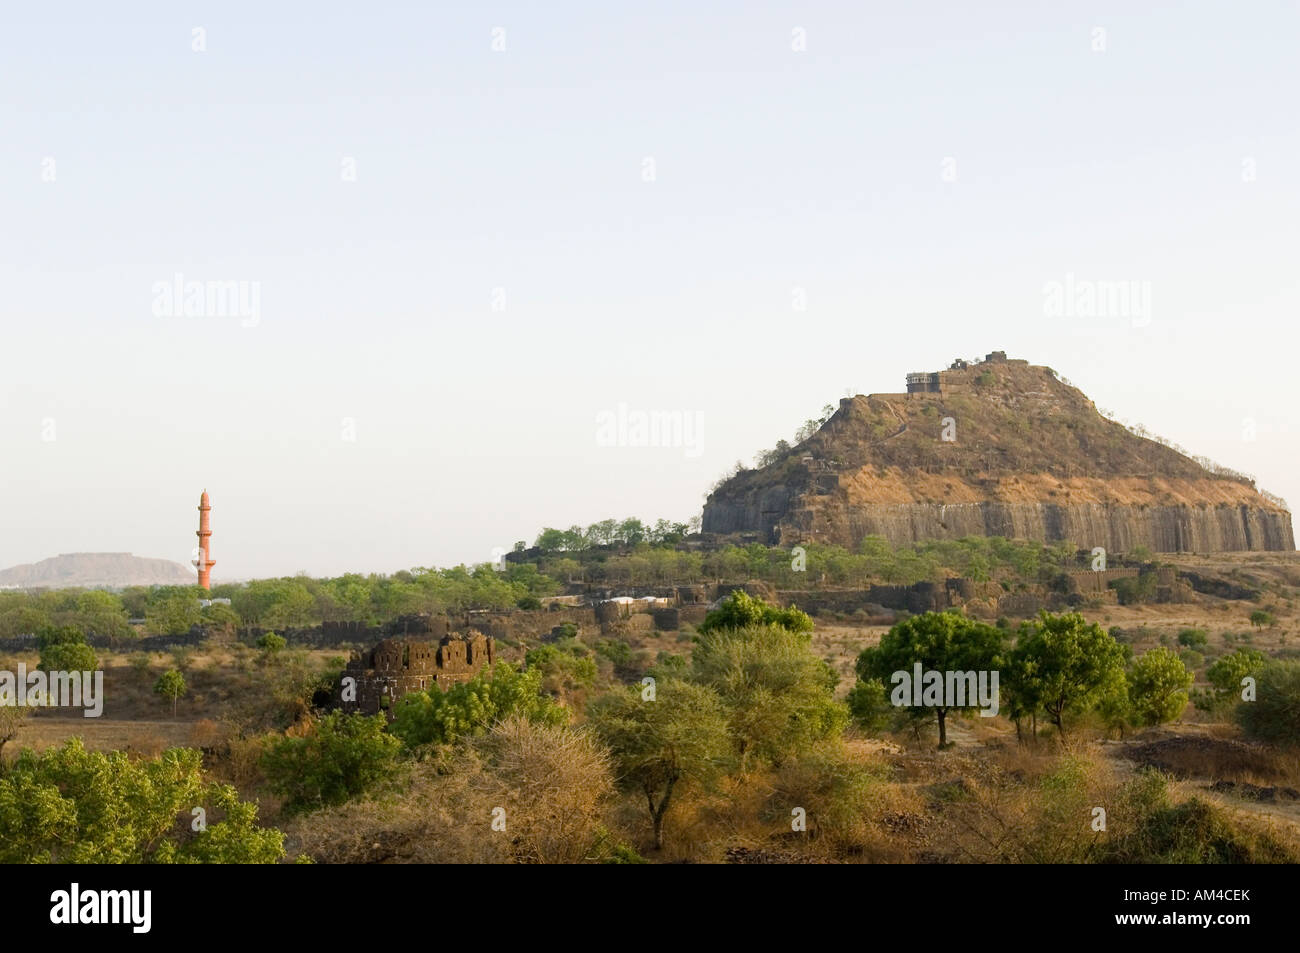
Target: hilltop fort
x,y
994,447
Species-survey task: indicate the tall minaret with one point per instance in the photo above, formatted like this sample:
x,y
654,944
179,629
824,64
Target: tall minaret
x,y
205,562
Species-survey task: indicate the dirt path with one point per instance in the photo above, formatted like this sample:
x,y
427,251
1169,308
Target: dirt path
x,y
902,423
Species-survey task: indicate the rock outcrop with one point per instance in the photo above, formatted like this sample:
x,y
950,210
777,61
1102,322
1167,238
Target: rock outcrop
x,y
996,448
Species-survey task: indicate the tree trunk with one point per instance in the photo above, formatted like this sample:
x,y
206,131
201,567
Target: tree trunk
x,y
657,812
943,726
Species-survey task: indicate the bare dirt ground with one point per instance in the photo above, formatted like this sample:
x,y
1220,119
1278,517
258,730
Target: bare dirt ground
x,y
102,734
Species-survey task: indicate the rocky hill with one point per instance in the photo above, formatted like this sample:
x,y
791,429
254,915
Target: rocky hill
x,y
109,570
994,448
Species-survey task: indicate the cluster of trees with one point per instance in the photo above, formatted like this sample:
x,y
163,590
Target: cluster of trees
x,y
22,613
282,603
753,701
783,448
622,533
754,694
298,601
626,552
876,560
1060,667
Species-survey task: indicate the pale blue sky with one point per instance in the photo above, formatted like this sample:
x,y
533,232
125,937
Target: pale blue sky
x,y
522,170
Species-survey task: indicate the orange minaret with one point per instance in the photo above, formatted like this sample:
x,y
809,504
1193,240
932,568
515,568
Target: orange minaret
x,y
205,562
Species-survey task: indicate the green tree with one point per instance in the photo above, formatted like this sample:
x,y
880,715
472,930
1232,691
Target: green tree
x,y
868,703
564,667
281,603
663,745
173,610
1021,692
740,609
1135,590
1115,704
1259,618
70,805
777,693
472,707
1074,663
171,685
219,618
1226,673
940,642
22,620
1158,685
293,606
48,636
631,531
551,540
343,756
102,613
64,649
1274,715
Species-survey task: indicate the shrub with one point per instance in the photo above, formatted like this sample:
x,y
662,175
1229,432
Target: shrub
x,y
836,794
1196,832
271,643
63,649
473,707
70,805
68,657
740,609
341,757
778,693
1134,590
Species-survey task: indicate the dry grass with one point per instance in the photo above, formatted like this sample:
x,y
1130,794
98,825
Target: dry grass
x,y
524,793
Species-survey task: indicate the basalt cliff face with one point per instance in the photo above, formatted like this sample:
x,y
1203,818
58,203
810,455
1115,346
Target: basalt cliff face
x,y
995,448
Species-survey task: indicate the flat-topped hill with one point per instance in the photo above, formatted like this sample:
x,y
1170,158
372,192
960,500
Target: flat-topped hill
x,y
89,570
1000,448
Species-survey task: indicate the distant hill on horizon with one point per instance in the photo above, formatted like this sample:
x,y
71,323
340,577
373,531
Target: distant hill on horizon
x,y
90,570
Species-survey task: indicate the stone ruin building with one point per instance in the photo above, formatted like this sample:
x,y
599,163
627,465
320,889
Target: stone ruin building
x,y
947,382
396,666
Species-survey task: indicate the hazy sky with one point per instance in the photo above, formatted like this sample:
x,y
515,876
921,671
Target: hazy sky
x,y
457,256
